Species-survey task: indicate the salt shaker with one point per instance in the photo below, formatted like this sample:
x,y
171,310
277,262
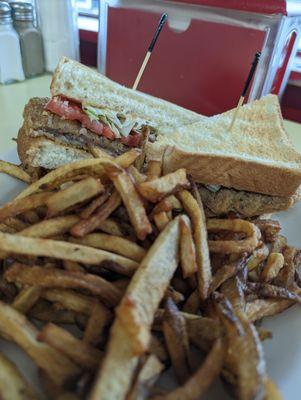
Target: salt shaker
x,y
30,39
11,69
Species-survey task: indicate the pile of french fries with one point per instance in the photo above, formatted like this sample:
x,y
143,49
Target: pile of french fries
x,y
111,274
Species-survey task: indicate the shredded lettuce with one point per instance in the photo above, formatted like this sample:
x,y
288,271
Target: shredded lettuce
x,y
120,124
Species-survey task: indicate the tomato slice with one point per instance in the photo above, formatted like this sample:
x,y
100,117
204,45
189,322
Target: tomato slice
x,y
132,140
73,112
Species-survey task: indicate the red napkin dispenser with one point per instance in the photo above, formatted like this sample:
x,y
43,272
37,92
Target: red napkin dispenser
x,y
203,55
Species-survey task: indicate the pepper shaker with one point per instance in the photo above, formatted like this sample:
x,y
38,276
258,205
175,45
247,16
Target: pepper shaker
x,y
11,69
30,39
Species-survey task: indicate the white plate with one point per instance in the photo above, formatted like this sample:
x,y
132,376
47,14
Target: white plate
x,y
282,353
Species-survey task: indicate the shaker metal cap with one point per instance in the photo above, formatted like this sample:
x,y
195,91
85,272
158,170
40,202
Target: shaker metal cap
x,y
22,11
5,13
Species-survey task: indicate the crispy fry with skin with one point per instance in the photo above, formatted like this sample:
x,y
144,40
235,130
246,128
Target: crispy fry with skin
x,y
111,227
99,153
85,226
139,163
146,377
93,167
116,244
169,203
137,175
257,257
148,286
81,353
226,272
99,318
187,249
233,246
158,188
17,207
50,227
267,290
27,298
95,204
154,169
13,386
57,278
15,171
131,200
72,266
261,308
79,192
161,220
279,244
157,348
70,300
193,303
245,354
136,316
176,340
272,267
286,275
63,250
15,326
198,221
271,391
200,381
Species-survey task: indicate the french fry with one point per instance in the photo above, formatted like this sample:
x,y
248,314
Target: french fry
x,y
17,207
261,308
158,188
146,377
139,163
279,244
15,171
13,386
27,298
161,220
202,331
111,226
267,290
120,361
258,256
70,300
169,203
245,354
51,314
187,249
154,169
95,204
16,224
272,267
15,326
271,391
269,229
116,244
81,353
286,275
57,278
99,318
176,340
131,201
85,226
62,250
197,218
226,272
199,382
93,167
97,152
136,175
233,246
50,227
174,295
77,193
193,303
73,266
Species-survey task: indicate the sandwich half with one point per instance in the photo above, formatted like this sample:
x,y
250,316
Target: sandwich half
x,y
251,170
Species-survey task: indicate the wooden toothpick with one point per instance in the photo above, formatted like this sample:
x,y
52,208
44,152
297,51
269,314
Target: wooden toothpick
x,y
149,50
246,87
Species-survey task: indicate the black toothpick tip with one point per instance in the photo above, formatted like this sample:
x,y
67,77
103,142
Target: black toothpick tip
x,y
251,73
162,21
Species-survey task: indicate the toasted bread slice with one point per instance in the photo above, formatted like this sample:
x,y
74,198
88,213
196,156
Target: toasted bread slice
x,y
256,155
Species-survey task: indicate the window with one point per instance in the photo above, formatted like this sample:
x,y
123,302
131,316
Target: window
x,y
87,8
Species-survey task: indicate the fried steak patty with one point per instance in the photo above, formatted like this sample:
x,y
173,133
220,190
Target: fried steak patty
x,y
41,123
